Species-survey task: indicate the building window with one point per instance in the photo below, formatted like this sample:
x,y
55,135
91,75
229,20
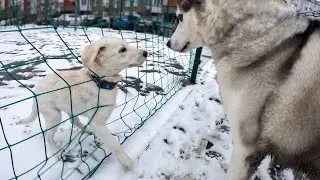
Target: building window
x,y
83,2
133,2
157,3
128,2
115,4
107,2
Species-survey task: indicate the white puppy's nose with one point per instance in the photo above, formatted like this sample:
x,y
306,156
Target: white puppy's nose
x,y
145,53
169,44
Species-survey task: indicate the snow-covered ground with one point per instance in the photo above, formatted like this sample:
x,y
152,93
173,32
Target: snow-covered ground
x,y
188,137
193,143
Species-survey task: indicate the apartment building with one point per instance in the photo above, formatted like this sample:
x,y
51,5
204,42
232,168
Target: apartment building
x,y
2,4
72,6
152,9
2,9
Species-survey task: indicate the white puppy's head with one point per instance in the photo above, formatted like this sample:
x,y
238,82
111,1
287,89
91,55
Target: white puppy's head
x,y
196,19
109,56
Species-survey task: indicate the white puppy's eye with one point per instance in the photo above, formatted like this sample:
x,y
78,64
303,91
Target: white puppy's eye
x,y
122,50
180,17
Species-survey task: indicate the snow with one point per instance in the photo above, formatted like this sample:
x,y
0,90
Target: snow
x,y
177,151
187,137
193,142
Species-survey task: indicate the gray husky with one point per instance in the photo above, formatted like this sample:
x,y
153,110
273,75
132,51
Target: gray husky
x,y
268,63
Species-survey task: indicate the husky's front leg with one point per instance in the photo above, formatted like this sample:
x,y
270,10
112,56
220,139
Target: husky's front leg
x,y
239,167
240,163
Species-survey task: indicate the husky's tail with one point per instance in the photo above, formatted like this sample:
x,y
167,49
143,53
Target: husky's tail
x,y
32,116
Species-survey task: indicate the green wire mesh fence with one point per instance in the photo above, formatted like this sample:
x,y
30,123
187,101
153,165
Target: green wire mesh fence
x,y
46,36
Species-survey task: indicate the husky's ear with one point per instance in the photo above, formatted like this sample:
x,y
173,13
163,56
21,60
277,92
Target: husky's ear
x,y
215,2
90,54
186,5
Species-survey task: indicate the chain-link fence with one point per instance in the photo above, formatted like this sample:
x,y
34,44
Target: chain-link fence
x,y
38,37
302,6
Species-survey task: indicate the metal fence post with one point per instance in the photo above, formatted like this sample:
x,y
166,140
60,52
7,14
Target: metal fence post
x,y
195,67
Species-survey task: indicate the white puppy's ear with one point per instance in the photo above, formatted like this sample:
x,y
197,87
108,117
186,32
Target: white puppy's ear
x,y
90,54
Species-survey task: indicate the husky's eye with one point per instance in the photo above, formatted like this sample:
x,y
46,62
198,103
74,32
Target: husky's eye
x,y
180,17
122,50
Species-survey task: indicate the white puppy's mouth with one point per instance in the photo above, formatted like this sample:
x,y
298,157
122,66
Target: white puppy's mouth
x,y
138,63
185,47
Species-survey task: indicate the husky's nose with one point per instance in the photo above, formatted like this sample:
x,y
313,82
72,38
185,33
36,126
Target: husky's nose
x,y
169,44
145,53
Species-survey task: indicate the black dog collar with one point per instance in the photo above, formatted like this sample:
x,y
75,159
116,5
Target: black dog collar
x,y
101,83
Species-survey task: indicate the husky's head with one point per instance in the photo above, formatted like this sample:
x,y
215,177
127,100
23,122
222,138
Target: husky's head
x,y
196,19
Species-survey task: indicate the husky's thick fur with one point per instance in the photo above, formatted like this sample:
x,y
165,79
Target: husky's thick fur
x,y
105,58
268,63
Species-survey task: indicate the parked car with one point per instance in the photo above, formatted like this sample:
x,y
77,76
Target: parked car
x,y
98,21
2,23
158,28
125,22
64,19
154,27
56,20
70,20
89,20
144,25
168,28
42,21
77,20
105,21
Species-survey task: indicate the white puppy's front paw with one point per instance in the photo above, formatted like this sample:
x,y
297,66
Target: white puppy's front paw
x,y
126,162
128,165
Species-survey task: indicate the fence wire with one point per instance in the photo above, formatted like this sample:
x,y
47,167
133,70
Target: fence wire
x,y
31,51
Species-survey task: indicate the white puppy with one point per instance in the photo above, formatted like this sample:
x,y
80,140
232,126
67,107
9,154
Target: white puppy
x,y
105,58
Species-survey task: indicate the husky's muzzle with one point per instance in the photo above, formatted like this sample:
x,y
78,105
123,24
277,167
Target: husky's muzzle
x,y
173,47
